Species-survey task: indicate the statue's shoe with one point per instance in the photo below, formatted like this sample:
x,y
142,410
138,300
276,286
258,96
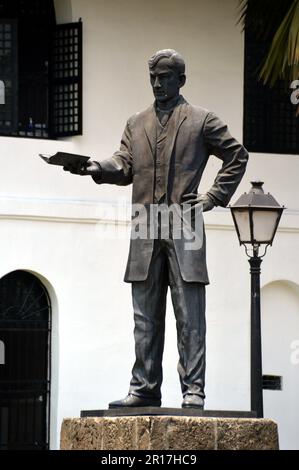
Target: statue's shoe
x,y
132,400
193,401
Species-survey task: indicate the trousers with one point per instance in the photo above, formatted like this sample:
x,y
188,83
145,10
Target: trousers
x,y
149,303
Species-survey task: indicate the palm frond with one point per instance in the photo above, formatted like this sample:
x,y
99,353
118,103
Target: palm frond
x,y
263,17
282,60
277,21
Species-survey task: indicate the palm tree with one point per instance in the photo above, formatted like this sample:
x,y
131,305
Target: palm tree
x,y
277,21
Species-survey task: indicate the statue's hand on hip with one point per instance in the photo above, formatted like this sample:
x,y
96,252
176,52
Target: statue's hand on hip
x,y
193,199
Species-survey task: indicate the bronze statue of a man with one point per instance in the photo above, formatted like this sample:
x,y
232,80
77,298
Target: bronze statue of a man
x,y
163,153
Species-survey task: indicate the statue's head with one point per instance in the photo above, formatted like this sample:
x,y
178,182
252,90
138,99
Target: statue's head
x,y
167,74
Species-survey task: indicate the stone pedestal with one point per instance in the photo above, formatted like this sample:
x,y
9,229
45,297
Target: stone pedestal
x,y
168,433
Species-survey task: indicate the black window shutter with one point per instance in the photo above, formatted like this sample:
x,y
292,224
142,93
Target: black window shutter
x,y
66,81
8,77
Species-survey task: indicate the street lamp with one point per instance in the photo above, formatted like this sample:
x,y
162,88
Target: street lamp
x,y
256,216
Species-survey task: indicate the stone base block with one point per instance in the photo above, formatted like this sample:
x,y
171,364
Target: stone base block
x,y
168,433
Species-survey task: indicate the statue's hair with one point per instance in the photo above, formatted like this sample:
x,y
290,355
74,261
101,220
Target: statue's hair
x,y
177,61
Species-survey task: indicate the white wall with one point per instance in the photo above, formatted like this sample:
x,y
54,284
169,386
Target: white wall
x,y
280,326
51,222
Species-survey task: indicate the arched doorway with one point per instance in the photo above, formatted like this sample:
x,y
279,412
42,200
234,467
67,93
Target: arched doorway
x,y
25,332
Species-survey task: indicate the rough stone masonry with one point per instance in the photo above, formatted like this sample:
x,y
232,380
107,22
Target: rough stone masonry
x,y
168,433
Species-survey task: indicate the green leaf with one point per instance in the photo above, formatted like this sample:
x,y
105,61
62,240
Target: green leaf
x,y
282,60
277,20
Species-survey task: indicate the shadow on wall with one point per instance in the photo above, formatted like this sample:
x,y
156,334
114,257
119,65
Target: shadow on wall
x,y
280,343
54,429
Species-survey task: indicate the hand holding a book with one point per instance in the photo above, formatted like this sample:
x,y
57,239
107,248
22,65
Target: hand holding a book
x,y
76,164
90,168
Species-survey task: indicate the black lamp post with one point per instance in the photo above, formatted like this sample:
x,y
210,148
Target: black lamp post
x,y
256,217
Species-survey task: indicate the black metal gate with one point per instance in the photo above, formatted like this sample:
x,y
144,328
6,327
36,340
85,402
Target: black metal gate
x,y
25,332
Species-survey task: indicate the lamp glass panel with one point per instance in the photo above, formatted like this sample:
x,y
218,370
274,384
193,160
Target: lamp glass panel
x,y
264,223
242,221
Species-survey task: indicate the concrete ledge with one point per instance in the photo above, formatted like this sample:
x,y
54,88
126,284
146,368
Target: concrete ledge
x,y
161,411
168,433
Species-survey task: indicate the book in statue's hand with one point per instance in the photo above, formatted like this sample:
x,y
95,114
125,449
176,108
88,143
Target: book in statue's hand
x,y
65,159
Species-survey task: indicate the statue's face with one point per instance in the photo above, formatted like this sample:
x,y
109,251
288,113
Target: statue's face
x,y
166,81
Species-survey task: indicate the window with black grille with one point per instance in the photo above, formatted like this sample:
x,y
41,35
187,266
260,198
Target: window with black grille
x,y
8,77
40,71
270,121
66,80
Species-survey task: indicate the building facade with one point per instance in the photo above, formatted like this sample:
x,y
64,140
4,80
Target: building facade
x,y
72,235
